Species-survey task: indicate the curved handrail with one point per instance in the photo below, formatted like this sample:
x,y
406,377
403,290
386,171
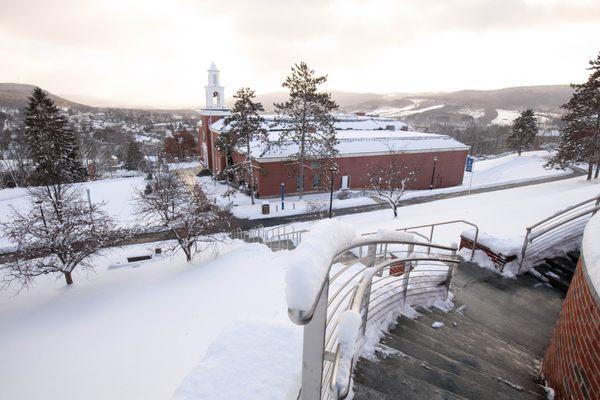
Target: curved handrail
x,y
303,317
356,304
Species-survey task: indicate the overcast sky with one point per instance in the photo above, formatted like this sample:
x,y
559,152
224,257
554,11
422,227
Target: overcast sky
x,y
156,53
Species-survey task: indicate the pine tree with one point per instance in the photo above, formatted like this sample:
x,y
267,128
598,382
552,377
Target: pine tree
x,y
134,157
51,143
307,115
523,133
580,140
244,125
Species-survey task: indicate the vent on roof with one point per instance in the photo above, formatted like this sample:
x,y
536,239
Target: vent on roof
x,y
390,127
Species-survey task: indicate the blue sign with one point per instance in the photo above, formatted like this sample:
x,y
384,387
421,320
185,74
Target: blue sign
x,y
469,165
282,190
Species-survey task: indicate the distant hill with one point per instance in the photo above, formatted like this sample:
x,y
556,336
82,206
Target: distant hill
x,y
462,107
15,95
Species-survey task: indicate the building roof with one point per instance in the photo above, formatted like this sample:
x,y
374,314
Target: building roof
x,y
356,136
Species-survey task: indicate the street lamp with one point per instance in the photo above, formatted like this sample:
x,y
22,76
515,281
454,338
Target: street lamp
x,y
433,173
332,169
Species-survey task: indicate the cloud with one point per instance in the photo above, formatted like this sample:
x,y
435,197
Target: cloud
x,y
156,52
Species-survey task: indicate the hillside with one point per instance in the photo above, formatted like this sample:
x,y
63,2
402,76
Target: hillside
x,y
14,95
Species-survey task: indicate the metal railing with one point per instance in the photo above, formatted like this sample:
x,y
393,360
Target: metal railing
x,y
378,285
427,232
284,237
551,236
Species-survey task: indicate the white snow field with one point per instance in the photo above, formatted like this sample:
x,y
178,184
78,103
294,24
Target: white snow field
x,y
212,329
505,117
134,332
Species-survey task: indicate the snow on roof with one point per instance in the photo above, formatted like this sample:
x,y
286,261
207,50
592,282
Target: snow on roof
x,y
342,122
356,135
368,143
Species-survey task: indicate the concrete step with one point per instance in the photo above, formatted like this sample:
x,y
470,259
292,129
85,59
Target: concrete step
x,y
460,363
445,373
445,342
553,276
563,264
463,325
396,384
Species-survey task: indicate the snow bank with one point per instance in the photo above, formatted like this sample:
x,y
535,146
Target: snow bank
x,y
591,250
309,263
253,358
504,246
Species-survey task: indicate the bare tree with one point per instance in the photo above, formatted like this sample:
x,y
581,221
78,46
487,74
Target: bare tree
x,y
187,213
57,234
389,180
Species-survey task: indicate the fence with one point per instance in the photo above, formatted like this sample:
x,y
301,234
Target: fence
x,y
559,232
374,278
284,237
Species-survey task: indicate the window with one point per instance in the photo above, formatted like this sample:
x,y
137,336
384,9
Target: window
x,y
316,180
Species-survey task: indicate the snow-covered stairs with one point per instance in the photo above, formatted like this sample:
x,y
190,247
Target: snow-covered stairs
x,y
558,271
478,353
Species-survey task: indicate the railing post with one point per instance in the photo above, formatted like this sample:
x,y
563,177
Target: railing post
x,y
313,348
430,238
449,278
524,249
474,243
406,279
597,204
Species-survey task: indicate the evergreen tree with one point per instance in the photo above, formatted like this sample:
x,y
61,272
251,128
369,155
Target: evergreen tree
x,y
51,143
308,119
523,133
580,140
244,125
134,157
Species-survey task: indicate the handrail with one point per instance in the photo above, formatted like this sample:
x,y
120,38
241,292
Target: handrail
x,y
560,226
322,349
303,317
356,304
561,212
432,226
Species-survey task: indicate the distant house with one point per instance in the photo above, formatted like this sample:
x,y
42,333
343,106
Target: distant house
x,y
364,143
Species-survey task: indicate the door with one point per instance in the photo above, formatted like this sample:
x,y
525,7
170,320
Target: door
x,y
345,184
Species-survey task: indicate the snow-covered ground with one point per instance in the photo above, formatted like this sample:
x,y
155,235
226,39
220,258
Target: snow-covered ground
x,y
138,330
134,331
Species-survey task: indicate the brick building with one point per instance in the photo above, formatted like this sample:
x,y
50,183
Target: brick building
x,y
364,144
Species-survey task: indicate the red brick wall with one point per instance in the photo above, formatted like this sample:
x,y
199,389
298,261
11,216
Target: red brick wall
x,y
572,361
449,171
203,132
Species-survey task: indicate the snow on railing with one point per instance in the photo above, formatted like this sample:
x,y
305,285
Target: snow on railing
x,y
557,233
347,302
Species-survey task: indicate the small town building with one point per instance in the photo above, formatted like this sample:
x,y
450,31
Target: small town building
x,y
364,144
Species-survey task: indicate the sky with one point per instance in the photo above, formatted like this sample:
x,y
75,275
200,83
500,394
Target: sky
x,y
155,53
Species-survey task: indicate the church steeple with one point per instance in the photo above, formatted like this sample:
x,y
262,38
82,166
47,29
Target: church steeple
x,y
215,93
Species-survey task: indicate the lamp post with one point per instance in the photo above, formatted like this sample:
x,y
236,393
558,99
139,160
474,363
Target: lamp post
x,y
433,173
333,169
39,204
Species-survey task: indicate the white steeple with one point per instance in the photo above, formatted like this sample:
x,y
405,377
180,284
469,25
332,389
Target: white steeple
x,y
215,93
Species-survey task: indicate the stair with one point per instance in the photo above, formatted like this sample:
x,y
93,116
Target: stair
x,y
487,349
558,271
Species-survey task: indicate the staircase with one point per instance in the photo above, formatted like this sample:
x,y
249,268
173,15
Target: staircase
x,y
488,347
557,271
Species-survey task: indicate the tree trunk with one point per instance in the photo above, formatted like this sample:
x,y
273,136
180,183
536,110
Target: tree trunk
x,y
188,253
301,171
590,170
597,170
520,151
250,171
68,277
395,209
